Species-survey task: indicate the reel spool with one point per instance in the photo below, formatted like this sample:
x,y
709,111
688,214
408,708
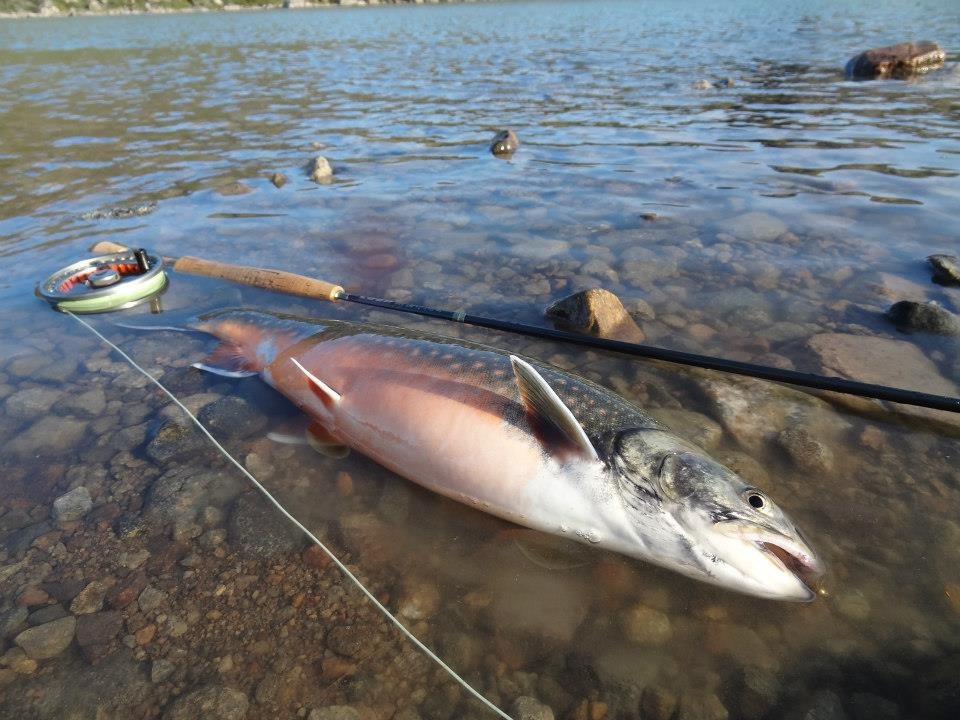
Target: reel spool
x,y
106,282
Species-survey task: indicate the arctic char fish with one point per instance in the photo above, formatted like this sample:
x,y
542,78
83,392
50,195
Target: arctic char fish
x,y
524,441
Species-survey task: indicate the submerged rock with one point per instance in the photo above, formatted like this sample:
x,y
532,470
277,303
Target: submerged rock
x,y
598,312
946,269
923,317
528,708
234,188
899,61
879,360
213,702
72,505
278,179
646,626
259,529
505,142
47,640
807,453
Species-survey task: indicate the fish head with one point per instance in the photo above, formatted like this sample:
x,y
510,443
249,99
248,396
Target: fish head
x,y
738,535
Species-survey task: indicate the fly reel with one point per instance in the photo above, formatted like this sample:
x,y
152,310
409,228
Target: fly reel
x,y
106,282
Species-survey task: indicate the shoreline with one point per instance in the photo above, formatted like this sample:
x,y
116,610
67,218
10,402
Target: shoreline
x,y
48,9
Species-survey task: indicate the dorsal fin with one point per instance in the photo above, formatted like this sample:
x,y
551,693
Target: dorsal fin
x,y
329,396
556,426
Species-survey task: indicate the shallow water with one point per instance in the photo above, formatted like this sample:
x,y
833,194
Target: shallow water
x,y
788,205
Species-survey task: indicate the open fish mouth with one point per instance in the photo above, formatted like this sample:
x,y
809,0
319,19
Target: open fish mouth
x,y
806,568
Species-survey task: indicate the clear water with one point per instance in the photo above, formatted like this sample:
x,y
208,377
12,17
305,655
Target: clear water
x,y
792,203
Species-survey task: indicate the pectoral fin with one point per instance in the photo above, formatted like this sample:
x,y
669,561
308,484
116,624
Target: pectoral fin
x,y
330,397
555,425
228,360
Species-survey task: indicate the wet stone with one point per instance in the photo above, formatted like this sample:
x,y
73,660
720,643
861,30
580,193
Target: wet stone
x,y
31,402
702,706
98,628
160,670
213,702
597,312
91,403
867,706
257,528
895,61
319,170
351,641
931,317
175,441
232,417
17,543
804,451
278,179
50,435
692,426
47,640
90,599
753,227
12,621
658,703
234,188
880,360
180,494
504,143
529,708
47,614
646,626
946,269
32,596
73,505
150,599
18,661
823,705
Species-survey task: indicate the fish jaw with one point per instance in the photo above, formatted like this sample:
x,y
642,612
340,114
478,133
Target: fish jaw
x,y
762,561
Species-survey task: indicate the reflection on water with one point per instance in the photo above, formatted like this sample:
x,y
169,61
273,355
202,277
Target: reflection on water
x,y
773,220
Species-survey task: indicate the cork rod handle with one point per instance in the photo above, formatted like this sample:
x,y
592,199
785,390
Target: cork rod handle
x,y
265,278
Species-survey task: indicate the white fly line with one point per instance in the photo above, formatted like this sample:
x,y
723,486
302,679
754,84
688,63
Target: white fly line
x,y
286,513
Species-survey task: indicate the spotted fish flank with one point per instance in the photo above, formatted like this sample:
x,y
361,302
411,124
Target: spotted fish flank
x,y
524,441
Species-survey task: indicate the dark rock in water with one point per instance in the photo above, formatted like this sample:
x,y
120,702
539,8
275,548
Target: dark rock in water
x,y
98,628
351,641
823,705
946,269
176,441
12,621
232,417
278,179
16,543
596,312
923,317
213,702
528,708
806,452
866,706
47,614
259,529
505,142
234,188
895,61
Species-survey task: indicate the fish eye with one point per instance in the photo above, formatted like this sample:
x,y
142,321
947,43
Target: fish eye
x,y
756,500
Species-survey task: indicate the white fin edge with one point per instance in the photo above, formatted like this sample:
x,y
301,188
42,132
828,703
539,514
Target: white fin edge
x,y
546,401
223,373
327,390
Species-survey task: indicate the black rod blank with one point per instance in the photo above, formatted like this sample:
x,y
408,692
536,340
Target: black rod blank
x,y
793,377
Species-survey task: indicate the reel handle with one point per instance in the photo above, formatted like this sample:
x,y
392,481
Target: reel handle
x,y
265,278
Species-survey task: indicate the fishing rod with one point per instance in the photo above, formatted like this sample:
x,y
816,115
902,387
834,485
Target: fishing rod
x,y
293,284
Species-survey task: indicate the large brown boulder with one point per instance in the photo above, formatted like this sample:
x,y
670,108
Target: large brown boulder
x,y
597,312
896,61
